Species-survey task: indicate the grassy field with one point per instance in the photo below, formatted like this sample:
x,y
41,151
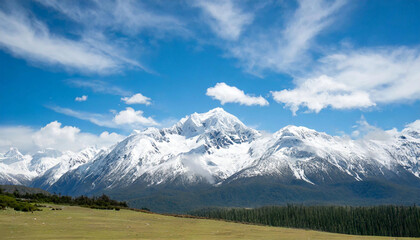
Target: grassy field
x,y
76,222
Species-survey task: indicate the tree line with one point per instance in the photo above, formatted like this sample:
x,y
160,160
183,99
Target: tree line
x,y
397,221
100,202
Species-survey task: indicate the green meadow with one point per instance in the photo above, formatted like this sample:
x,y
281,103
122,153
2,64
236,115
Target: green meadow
x,y
84,223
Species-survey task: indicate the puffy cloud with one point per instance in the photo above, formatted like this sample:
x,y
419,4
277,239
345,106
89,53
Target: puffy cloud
x,y
137,99
17,136
357,79
81,99
318,93
229,94
53,135
133,118
225,18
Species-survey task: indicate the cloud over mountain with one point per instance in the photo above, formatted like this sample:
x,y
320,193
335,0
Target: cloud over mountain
x,y
230,94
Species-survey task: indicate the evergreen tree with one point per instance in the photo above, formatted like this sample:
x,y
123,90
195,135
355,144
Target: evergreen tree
x,y
398,221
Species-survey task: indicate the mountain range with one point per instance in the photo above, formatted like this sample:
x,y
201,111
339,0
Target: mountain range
x,y
213,159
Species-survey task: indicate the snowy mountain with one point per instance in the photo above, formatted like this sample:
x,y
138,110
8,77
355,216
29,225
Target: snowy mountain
x,y
317,158
42,168
214,154
14,168
65,163
205,147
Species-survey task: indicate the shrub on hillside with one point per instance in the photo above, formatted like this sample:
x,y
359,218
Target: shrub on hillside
x,y
9,201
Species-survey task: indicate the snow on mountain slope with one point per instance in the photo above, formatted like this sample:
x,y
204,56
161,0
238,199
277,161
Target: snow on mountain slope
x,y
314,157
215,147
14,168
48,164
404,149
12,156
65,162
200,147
217,127
44,160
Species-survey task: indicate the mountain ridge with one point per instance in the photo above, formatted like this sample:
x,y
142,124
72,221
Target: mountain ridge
x,y
216,152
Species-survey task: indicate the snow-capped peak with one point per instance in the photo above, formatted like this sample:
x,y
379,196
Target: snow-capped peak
x,y
214,120
13,152
411,132
297,131
12,156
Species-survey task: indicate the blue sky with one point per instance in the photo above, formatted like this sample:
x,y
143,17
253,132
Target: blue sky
x,y
96,70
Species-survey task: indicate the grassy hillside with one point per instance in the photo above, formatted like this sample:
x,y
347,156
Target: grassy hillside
x,y
76,222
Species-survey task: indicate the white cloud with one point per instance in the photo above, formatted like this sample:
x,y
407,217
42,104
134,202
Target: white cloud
x,y
30,39
133,118
99,86
127,119
53,135
129,17
357,79
365,131
285,48
225,18
16,136
387,74
137,99
95,118
318,93
81,99
228,94
309,20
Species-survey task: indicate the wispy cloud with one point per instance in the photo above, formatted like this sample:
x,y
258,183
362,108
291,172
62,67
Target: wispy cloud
x,y
229,94
365,131
357,79
129,17
127,119
226,18
99,87
103,39
27,37
107,35
278,48
95,118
